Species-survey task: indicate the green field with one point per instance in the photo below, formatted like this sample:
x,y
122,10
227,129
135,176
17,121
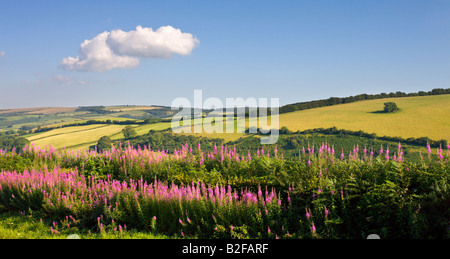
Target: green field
x,y
14,225
33,118
84,136
75,137
233,136
424,116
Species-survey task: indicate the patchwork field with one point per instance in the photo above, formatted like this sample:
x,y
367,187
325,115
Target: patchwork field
x,y
424,116
39,111
75,137
84,136
33,118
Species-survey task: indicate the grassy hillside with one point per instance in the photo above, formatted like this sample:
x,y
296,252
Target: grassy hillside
x,y
80,136
84,136
421,116
32,118
424,116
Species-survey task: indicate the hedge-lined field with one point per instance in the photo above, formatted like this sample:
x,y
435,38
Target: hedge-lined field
x,y
418,117
225,194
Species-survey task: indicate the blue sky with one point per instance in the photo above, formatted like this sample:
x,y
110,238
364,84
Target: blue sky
x,y
291,50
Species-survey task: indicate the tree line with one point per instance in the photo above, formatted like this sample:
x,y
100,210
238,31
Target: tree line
x,y
422,141
10,140
289,144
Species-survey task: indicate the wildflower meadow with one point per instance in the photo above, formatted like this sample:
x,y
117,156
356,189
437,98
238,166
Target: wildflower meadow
x,y
221,194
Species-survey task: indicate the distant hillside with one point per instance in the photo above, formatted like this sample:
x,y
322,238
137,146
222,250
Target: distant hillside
x,y
33,118
420,116
361,97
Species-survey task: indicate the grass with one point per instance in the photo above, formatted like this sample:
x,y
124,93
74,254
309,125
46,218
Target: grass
x,y
14,225
144,129
60,131
84,136
75,136
225,136
423,116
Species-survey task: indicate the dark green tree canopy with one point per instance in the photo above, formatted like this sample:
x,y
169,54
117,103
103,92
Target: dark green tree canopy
x,y
104,143
390,107
129,132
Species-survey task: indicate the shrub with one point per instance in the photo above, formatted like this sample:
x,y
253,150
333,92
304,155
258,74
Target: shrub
x,y
390,107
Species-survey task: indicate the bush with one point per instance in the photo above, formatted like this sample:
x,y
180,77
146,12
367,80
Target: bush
x,y
104,143
390,107
129,132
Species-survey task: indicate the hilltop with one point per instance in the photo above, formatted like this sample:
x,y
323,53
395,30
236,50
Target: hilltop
x,y
420,116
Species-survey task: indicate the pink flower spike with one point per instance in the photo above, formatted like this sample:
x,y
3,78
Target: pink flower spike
x,y
307,214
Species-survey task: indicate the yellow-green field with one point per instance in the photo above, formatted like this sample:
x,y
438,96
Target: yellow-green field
x,y
56,132
224,124
84,136
79,136
422,116
142,129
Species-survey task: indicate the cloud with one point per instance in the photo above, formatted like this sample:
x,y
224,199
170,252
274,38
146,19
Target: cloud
x,y
95,55
146,43
2,53
120,49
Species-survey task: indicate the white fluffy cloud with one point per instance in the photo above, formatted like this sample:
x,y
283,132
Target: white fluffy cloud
x,y
144,42
95,55
120,49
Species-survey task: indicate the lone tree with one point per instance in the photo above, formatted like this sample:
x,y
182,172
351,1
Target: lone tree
x,y
129,132
390,107
104,143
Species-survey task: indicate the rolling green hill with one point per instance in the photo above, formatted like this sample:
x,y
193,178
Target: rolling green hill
x,y
419,116
33,118
422,116
84,136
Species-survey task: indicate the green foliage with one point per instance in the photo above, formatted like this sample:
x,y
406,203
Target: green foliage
x,y
11,141
129,132
31,225
104,143
152,120
342,198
